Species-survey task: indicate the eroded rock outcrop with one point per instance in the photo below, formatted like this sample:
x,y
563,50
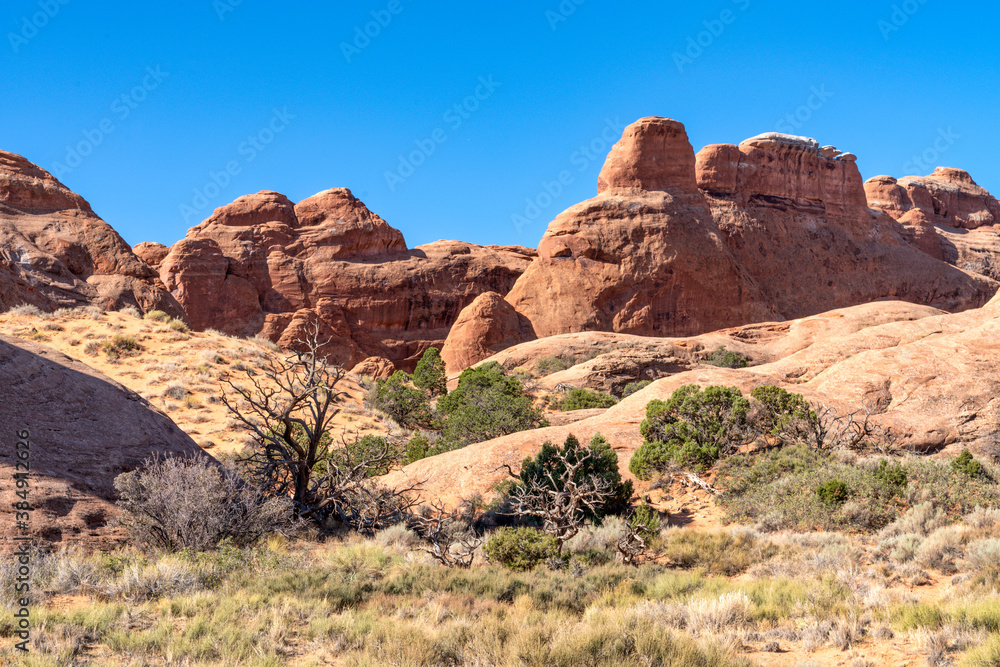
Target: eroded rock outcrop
x,y
950,217
265,265
776,227
75,449
644,256
56,252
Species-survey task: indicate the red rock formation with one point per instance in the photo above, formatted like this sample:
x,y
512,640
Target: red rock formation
x,y
637,260
777,227
84,430
486,326
264,265
151,253
949,217
783,202
56,252
378,368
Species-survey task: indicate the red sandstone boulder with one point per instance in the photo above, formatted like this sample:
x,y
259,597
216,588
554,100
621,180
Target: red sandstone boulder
x,y
151,253
484,327
378,368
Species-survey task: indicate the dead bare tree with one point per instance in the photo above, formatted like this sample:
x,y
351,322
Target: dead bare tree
x,y
451,540
631,546
562,504
288,409
855,431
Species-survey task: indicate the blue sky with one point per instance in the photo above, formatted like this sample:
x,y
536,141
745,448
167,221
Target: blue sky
x,y
182,107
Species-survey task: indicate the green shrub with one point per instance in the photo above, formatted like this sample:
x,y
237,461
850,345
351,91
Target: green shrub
x,y
584,399
783,414
633,387
693,428
892,475
429,374
521,549
550,365
648,518
157,316
964,463
545,469
486,404
726,359
180,326
833,492
416,449
779,487
397,398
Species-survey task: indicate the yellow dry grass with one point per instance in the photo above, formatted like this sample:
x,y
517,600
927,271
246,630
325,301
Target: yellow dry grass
x,y
179,372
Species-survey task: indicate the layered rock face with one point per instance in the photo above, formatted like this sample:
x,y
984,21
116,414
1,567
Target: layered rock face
x,y
265,265
948,215
56,252
796,216
74,450
777,227
644,256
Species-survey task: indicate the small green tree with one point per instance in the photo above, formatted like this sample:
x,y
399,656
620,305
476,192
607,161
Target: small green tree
x,y
486,404
416,449
633,387
401,401
562,488
965,464
693,427
585,399
521,549
429,373
596,461
785,416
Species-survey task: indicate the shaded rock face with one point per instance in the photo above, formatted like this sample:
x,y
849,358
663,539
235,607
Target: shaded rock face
x,y
265,265
777,227
56,252
947,215
75,451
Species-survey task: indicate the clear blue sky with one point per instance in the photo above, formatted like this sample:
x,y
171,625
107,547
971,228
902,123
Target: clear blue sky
x,y
894,77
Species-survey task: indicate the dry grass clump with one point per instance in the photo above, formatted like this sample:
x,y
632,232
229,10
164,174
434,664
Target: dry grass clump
x,y
157,316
